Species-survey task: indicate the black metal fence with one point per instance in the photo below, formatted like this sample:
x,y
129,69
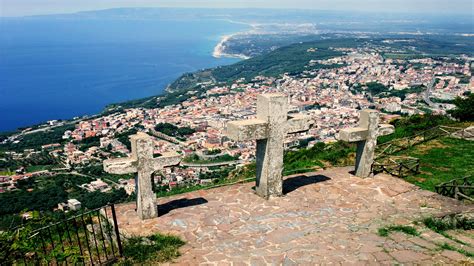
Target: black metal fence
x,y
89,238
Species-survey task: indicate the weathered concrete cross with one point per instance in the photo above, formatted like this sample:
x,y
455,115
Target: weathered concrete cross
x,y
269,129
366,137
142,162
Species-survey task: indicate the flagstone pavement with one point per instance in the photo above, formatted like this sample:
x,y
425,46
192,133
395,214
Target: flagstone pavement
x,y
325,217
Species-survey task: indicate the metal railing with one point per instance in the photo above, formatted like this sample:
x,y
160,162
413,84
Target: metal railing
x,y
89,238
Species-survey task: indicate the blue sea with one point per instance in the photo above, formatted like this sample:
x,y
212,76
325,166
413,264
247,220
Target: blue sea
x,y
67,65
54,68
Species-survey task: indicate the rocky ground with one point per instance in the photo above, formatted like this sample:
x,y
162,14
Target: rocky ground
x,y
325,217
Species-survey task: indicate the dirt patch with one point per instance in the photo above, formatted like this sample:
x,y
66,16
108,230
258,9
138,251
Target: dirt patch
x,y
445,169
326,164
426,147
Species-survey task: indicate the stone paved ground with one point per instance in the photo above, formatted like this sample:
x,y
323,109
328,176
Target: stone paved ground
x,y
325,217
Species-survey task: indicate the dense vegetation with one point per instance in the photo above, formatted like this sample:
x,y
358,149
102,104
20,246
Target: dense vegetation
x,y
253,45
222,173
151,249
46,198
22,242
97,199
289,59
194,158
430,46
44,194
411,125
174,131
402,93
464,110
382,91
37,139
88,143
34,162
376,88
124,137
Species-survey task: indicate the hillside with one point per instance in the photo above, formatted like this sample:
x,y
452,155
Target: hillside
x,y
289,59
442,160
293,58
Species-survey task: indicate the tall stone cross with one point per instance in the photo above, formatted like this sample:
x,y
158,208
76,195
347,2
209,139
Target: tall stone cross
x,y
269,129
366,137
142,162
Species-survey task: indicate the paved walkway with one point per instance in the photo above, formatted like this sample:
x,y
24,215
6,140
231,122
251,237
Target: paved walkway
x,y
325,217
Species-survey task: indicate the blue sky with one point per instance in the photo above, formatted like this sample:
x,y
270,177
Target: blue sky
x,y
37,7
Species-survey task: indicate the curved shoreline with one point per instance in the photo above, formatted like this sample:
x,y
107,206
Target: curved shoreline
x,y
219,49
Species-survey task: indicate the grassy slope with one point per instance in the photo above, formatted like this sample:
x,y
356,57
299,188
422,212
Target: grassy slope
x,y
442,160
292,59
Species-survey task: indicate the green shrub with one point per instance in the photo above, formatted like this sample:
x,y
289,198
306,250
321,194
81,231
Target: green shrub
x,y
174,131
385,231
447,246
464,110
155,248
450,222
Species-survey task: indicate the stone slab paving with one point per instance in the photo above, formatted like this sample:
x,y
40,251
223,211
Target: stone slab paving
x,y
326,217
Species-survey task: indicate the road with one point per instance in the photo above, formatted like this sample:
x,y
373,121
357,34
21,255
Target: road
x,y
427,94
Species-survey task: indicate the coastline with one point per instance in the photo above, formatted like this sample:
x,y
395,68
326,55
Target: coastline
x,y
215,51
218,52
219,49
157,61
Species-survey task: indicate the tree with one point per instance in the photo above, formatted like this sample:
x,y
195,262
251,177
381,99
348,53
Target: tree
x,y
174,131
464,110
98,199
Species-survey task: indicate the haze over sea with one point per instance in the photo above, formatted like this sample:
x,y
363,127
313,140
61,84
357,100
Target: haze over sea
x,y
56,68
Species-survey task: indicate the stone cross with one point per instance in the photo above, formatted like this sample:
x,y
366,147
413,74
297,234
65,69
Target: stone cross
x,y
269,129
142,162
366,137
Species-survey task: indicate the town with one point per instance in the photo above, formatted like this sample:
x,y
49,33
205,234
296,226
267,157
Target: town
x,y
331,94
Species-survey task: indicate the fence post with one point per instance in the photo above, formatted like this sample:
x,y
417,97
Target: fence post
x,y
114,218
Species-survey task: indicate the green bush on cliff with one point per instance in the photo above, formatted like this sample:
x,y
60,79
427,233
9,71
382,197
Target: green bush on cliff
x,y
464,110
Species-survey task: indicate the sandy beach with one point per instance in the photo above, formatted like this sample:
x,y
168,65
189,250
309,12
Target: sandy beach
x,y
219,50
